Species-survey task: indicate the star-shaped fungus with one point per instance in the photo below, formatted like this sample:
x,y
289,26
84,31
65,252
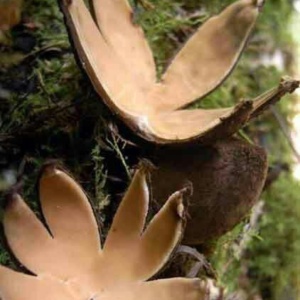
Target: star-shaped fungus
x,y
118,60
65,256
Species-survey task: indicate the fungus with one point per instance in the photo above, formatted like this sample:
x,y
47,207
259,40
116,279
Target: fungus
x,y
119,62
227,174
65,256
228,178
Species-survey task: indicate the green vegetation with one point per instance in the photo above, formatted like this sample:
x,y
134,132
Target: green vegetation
x,y
274,261
51,111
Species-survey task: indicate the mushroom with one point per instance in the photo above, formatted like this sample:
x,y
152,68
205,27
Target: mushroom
x,y
64,255
119,62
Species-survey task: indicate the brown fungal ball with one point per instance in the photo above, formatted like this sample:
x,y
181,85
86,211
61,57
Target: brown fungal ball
x,y
227,180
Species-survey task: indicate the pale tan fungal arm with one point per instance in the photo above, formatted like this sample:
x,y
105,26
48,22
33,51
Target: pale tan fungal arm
x,y
62,200
26,235
129,220
115,20
17,286
208,125
162,235
207,58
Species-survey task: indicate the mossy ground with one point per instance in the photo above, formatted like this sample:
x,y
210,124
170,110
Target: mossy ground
x,y
48,109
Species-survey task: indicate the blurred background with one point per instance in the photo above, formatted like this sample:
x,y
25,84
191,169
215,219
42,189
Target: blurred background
x,y
48,109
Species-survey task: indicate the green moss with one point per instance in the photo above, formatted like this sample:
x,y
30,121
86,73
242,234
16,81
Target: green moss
x,y
167,26
47,17
274,260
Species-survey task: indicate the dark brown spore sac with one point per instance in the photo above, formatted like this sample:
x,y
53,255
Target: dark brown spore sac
x,y
227,180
